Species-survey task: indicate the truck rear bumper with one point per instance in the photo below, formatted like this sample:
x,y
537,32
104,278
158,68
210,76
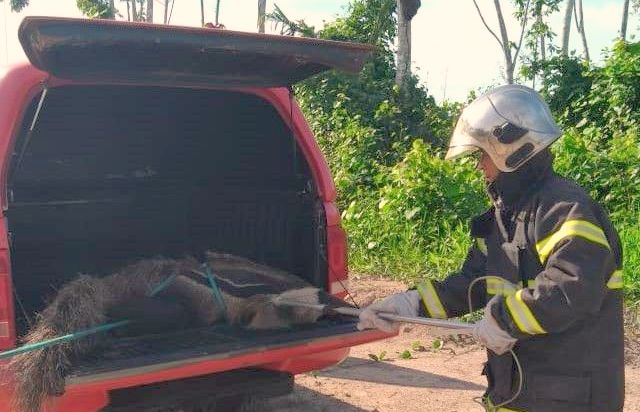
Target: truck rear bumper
x,y
224,391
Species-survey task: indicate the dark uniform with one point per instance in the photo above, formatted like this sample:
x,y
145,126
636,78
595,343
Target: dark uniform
x,y
563,260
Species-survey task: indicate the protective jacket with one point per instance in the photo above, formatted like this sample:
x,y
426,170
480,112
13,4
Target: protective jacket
x,y
562,260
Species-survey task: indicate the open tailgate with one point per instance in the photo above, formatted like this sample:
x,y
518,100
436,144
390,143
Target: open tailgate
x,y
80,49
221,348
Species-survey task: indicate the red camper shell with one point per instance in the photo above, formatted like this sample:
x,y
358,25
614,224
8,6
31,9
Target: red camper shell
x,y
121,141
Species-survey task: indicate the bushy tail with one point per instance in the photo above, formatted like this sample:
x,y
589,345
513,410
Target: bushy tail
x,y
79,305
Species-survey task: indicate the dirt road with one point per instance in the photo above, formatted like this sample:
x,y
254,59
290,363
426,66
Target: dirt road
x,y
435,380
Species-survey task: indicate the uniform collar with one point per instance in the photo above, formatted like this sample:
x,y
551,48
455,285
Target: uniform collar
x,y
510,191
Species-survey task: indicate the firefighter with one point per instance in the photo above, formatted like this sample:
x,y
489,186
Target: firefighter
x,y
552,295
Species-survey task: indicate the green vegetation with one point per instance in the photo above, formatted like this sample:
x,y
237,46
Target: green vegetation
x,y
406,210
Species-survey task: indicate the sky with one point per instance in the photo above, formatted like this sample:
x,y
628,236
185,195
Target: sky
x,y
453,53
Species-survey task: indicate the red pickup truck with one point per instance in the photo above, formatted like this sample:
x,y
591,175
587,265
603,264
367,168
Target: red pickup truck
x,y
122,141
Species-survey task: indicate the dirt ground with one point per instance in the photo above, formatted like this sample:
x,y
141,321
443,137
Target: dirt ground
x,y
441,379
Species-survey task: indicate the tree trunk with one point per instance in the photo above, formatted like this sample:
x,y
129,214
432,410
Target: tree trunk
x,y
510,60
403,67
202,13
625,17
566,26
217,12
166,11
581,30
506,44
540,22
262,9
128,11
134,11
150,11
112,6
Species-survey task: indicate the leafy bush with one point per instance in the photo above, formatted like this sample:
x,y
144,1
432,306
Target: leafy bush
x,y
97,9
610,171
417,223
352,151
614,96
425,191
564,81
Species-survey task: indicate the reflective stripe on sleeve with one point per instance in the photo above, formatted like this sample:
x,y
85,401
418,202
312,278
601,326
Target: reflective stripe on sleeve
x,y
581,228
481,245
522,315
616,280
497,285
431,301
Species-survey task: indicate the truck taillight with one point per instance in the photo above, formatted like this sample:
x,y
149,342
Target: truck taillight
x,y
338,268
7,333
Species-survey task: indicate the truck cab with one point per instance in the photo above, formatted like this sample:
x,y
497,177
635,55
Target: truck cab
x,y
123,141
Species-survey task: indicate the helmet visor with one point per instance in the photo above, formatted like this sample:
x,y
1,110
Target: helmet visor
x,y
456,152
466,138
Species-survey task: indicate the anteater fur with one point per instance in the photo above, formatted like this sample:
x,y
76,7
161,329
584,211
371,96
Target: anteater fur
x,y
87,301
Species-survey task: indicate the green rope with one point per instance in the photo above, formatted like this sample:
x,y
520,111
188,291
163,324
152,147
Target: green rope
x,y
62,339
163,285
215,289
83,333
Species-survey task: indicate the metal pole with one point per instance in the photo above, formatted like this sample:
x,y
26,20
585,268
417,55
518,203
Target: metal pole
x,y
201,13
415,320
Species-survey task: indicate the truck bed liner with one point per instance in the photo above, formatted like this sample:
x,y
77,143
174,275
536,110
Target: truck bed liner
x,y
149,353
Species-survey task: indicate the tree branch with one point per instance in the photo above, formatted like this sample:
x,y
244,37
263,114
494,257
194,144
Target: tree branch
x,y
486,25
524,26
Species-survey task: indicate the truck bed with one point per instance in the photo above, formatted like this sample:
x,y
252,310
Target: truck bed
x,y
128,356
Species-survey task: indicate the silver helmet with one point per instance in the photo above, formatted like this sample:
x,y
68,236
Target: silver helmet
x,y
511,123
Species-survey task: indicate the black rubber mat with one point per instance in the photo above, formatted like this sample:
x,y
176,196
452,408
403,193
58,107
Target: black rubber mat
x,y
120,357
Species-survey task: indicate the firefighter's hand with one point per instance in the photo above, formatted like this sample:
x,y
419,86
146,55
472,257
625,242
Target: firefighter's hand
x,y
490,334
404,304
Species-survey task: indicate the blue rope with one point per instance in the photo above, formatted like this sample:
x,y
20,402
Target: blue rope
x,y
217,295
62,339
82,333
163,285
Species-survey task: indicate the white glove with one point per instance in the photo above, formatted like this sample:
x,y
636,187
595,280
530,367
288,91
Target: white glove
x,y
404,304
490,334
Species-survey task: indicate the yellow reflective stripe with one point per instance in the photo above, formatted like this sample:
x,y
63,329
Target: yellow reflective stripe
x,y
616,280
582,228
497,285
522,315
430,299
531,283
482,245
